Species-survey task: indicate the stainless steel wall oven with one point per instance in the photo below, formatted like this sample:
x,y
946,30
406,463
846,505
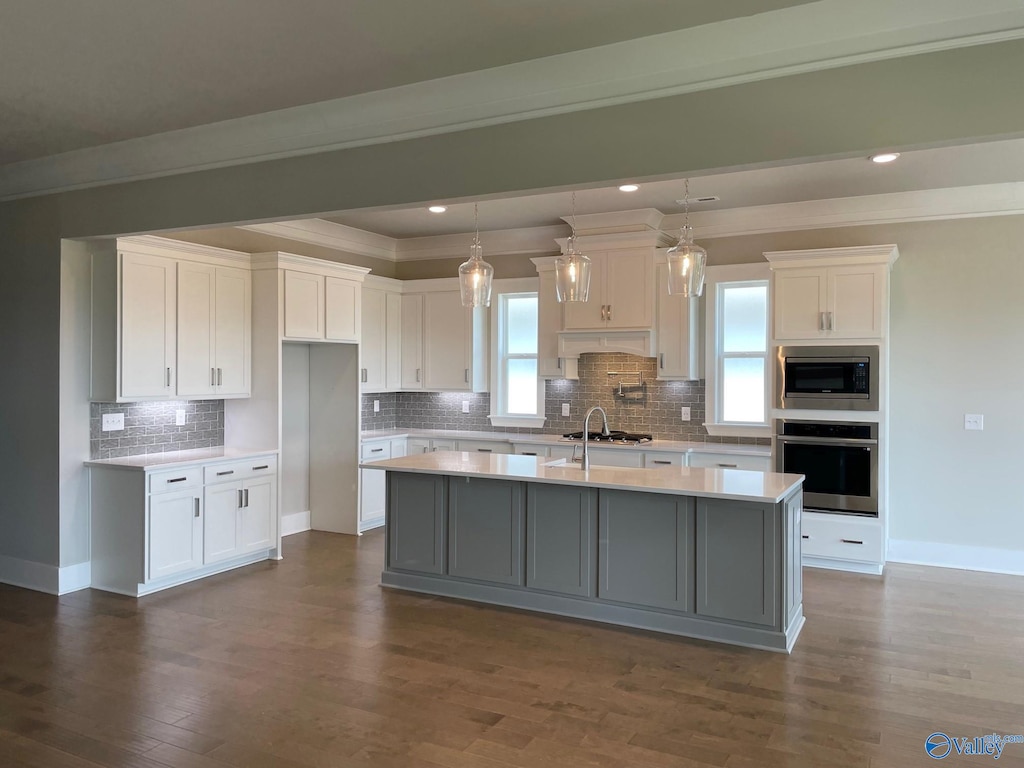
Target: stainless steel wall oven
x,y
839,460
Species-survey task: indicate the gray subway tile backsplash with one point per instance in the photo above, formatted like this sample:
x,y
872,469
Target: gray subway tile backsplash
x,y
150,428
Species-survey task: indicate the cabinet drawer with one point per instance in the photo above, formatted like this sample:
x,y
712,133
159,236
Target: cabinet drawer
x,y
377,450
841,537
530,450
240,470
730,461
484,446
655,460
175,479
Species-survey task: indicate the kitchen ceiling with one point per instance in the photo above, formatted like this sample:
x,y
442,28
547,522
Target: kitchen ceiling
x,y
939,168
82,74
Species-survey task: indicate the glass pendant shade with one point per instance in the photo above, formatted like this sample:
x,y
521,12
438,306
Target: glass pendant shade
x,y
572,274
686,262
475,278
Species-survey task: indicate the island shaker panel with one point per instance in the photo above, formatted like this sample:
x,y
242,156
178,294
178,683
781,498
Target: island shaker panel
x,y
485,530
415,522
561,539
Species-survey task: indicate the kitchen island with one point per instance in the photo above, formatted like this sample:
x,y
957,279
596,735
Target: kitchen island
x,y
704,553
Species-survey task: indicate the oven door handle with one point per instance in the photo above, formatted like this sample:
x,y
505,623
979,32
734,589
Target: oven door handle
x,y
827,441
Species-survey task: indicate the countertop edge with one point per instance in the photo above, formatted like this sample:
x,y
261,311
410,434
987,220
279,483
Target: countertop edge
x,y
121,462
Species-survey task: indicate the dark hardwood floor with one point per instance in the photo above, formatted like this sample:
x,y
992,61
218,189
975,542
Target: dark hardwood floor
x,y
308,662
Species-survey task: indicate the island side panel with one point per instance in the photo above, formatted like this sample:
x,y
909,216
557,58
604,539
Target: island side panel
x,y
415,522
485,530
792,512
561,539
645,549
738,553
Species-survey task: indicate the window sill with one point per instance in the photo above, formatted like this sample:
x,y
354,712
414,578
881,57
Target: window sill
x,y
737,430
517,421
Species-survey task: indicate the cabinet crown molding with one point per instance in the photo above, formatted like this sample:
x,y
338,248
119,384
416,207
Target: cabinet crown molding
x,y
181,250
292,261
617,241
857,254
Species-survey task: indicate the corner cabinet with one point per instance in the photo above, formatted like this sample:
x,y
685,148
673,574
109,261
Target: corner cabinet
x,y
831,293
169,320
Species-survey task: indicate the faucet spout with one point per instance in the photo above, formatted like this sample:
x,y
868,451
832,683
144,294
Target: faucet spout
x,y
585,465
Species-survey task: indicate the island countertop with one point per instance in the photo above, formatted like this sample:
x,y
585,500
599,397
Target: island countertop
x,y
711,483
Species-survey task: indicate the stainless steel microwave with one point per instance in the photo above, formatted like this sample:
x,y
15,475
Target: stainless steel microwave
x,y
839,378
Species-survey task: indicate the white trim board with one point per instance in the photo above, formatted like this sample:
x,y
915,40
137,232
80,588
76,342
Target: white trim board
x,y
29,574
989,559
805,38
296,522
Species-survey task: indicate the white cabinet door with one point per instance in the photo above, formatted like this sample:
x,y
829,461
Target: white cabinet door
x,y
232,332
614,457
412,341
678,332
856,301
147,326
372,497
175,533
629,288
372,351
392,341
592,313
549,323
197,294
303,305
799,299
398,448
221,535
447,342
416,445
730,461
257,515
342,309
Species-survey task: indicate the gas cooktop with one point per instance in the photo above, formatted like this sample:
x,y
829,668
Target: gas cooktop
x,y
614,436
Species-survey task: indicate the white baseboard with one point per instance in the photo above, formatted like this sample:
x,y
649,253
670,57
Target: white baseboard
x,y
72,578
296,522
851,566
30,574
966,558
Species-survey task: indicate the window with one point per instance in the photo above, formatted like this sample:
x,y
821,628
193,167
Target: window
x,y
738,351
517,393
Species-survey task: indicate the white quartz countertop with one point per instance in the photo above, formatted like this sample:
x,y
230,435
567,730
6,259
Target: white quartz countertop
x,y
172,459
668,446
735,484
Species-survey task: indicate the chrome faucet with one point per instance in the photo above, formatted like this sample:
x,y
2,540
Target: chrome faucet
x,y
585,462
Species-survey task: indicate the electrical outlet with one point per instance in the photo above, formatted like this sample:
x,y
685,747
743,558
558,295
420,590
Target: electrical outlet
x,y
465,406
685,412
974,421
376,406
565,409
112,422
179,417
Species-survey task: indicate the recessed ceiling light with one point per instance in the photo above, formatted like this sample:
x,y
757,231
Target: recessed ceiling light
x,y
885,157
438,208
629,188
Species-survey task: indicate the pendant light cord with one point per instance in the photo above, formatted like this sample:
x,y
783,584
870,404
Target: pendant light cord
x,y
686,204
476,224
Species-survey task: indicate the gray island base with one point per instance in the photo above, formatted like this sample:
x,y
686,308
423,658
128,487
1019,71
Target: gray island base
x,y
712,554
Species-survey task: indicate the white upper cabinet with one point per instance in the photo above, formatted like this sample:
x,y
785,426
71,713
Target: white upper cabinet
x,y
380,344
342,299
319,306
233,332
549,323
304,312
454,355
147,327
834,293
621,292
412,341
678,332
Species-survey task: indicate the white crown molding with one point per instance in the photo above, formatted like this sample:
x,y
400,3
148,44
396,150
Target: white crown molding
x,y
1006,199
499,242
616,222
293,261
615,241
863,254
330,235
804,38
164,246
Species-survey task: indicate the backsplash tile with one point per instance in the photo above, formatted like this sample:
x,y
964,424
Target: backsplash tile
x,y
653,408
150,428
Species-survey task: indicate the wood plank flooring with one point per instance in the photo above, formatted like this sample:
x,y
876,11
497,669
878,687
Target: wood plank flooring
x,y
308,663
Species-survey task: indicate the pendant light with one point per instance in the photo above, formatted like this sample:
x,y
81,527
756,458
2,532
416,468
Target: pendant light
x,y
686,259
572,268
476,275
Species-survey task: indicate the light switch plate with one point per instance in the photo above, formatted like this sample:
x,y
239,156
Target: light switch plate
x,y
376,406
465,406
179,417
974,421
112,422
685,412
565,409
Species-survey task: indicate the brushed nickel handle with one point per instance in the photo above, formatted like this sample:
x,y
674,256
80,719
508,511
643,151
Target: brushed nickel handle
x,y
661,358
466,375
831,321
609,313
728,466
177,480
851,541
168,377
226,472
197,507
261,466
376,450
213,377
661,461
485,450
821,321
417,374
220,376
528,453
239,498
247,497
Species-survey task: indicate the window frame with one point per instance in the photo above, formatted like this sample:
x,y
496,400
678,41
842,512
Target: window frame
x,y
501,291
715,279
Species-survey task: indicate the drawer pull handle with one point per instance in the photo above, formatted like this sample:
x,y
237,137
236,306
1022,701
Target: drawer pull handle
x,y
851,541
376,450
226,472
485,450
177,480
197,507
661,461
729,466
261,466
529,453
804,536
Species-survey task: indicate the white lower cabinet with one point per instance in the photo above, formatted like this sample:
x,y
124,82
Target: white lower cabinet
x,y
373,485
485,446
730,461
838,539
157,529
